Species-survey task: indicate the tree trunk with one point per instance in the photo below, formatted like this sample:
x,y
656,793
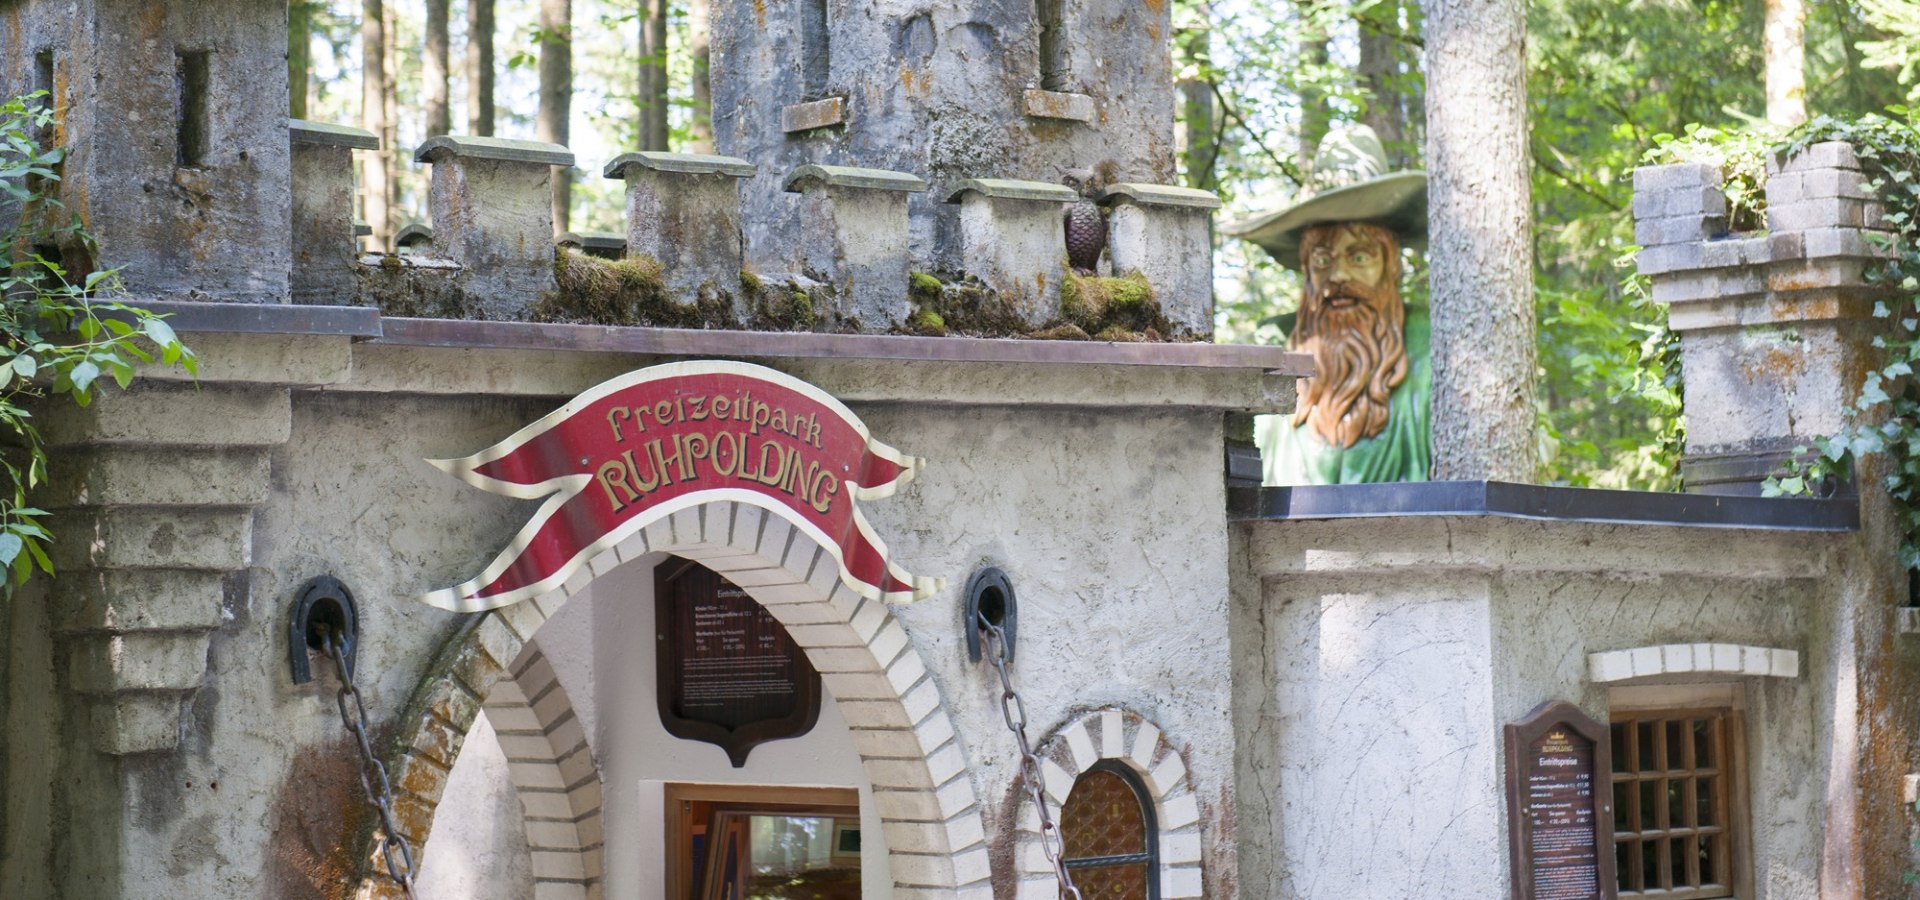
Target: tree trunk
x,y
1314,114
434,70
699,46
1196,102
1784,47
653,75
1379,73
480,67
556,95
299,56
1480,253
373,117
391,153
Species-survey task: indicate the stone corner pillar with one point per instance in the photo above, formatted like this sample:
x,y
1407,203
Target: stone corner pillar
x,y
1774,326
1165,233
853,236
683,212
1013,239
323,228
492,203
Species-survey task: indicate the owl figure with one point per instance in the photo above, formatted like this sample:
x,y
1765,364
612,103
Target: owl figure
x,y
1086,227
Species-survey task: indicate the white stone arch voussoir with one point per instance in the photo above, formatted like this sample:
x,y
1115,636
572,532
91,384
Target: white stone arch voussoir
x,y
1129,739
493,665
907,743
555,776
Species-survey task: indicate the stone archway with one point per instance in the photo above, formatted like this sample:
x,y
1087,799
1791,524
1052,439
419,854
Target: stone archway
x,y
907,743
1127,738
553,773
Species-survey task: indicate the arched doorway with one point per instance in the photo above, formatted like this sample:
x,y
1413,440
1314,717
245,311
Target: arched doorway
x,y
905,740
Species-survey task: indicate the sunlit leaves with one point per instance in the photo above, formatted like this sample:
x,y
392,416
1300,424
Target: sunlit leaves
x,y
61,332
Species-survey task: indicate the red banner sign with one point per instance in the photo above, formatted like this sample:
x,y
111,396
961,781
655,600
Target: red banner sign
x,y
643,446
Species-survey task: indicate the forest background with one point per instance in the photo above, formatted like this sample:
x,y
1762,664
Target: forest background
x,y
1612,85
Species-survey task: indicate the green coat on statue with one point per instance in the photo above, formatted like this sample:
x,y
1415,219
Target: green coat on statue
x,y
1402,451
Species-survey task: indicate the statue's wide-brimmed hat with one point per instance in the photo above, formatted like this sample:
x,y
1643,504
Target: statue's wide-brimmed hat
x,y
1349,182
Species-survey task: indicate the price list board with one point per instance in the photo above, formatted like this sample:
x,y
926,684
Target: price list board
x,y
729,673
1559,814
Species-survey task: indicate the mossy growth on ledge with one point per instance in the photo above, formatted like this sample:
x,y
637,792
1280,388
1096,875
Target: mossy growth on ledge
x,y
591,290
1091,308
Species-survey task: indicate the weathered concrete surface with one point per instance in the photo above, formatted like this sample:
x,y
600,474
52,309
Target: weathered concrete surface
x,y
323,236
1166,234
683,212
492,213
209,227
1378,660
919,99
1012,238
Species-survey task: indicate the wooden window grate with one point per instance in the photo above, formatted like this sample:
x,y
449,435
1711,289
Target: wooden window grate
x,y
1673,779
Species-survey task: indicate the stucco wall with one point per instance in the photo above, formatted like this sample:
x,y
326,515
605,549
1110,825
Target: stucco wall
x,y
1381,658
1104,506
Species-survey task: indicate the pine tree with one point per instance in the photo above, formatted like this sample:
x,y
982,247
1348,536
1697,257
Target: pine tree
x,y
556,95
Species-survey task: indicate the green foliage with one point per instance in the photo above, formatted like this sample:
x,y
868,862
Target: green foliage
x,y
1740,153
1899,49
1885,418
61,332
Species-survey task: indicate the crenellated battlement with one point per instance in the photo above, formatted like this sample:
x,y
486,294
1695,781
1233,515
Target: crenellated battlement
x,y
895,143
1772,324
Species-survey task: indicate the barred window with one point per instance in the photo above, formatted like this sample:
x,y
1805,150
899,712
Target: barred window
x,y
1107,828
1674,774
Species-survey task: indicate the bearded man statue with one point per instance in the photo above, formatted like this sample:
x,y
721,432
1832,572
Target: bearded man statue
x,y
1363,414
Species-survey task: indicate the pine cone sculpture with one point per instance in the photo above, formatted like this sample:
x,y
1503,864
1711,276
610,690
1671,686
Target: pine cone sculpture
x,y
1086,236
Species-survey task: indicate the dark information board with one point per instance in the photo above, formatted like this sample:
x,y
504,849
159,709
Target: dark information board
x,y
729,674
1559,814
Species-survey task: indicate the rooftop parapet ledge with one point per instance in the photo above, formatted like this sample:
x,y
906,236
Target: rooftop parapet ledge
x,y
683,212
492,205
323,228
1165,233
1775,326
853,224
1010,238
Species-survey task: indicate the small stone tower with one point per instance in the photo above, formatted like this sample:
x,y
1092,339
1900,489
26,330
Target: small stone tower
x,y
174,122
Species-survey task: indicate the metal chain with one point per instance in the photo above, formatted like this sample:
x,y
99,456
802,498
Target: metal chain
x,y
1015,711
373,773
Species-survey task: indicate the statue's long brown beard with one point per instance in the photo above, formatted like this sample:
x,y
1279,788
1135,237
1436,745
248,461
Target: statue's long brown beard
x,y
1359,356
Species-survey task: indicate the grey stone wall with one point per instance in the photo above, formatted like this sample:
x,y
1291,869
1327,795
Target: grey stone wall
x,y
940,92
193,211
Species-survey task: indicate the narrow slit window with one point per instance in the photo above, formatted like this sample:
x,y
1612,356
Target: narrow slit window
x,y
43,75
1052,17
192,81
43,82
815,48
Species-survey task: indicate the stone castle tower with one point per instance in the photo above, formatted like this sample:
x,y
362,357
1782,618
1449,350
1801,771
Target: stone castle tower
x,y
953,125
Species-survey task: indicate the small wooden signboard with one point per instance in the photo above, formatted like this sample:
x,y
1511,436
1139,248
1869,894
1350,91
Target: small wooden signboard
x,y
729,674
1559,807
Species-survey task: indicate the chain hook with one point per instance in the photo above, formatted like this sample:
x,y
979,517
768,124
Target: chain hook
x,y
394,849
1013,709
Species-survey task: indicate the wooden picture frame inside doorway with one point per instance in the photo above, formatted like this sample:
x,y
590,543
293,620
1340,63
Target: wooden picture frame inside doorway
x,y
693,811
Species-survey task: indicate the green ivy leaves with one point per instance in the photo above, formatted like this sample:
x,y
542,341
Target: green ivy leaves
x,y
58,335
1885,418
